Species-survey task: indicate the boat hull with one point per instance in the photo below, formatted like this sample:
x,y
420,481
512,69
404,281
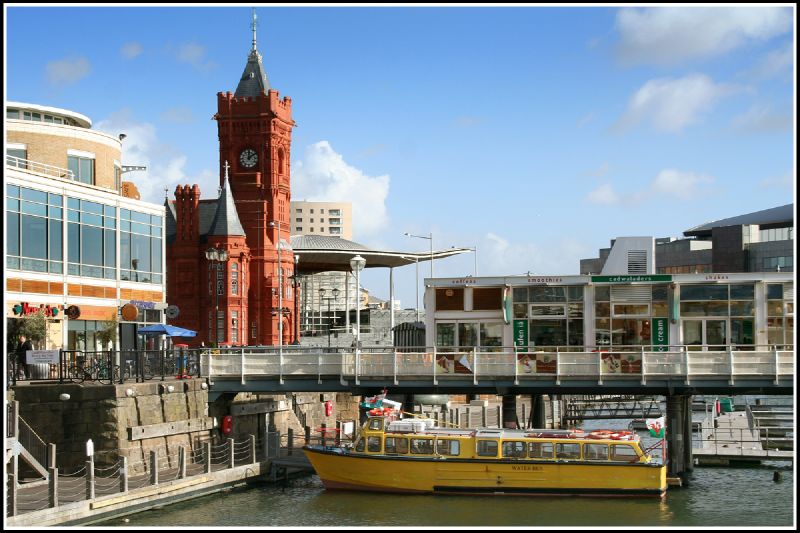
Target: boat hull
x,y
341,470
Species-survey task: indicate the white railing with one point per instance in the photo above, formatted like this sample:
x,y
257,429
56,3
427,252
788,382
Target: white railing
x,y
499,363
39,168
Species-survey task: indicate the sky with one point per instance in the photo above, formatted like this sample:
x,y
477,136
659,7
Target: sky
x,y
535,135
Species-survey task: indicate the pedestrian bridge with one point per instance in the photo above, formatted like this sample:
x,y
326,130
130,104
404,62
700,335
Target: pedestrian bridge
x,y
680,370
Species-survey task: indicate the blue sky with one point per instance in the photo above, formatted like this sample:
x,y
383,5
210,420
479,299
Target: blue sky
x,y
537,134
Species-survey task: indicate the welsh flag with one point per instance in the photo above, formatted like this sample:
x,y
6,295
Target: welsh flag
x,y
656,426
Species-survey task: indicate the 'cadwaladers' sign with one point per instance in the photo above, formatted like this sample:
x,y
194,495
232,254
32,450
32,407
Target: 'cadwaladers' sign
x,y
24,309
631,278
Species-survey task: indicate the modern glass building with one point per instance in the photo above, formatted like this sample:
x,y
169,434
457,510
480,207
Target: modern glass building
x,y
80,244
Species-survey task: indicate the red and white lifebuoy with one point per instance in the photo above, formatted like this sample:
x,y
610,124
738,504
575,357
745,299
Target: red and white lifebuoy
x,y
600,434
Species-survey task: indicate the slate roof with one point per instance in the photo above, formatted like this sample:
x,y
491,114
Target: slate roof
x,y
776,215
226,219
254,78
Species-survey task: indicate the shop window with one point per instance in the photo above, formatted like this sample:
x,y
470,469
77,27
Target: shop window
x,y
450,299
487,299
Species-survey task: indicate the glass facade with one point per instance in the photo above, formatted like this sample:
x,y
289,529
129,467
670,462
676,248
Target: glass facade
x,y
554,315
140,246
34,230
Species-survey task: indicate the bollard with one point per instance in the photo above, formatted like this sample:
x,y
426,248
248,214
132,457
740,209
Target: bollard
x,y
90,478
289,441
208,456
181,462
154,467
307,431
252,449
12,487
123,478
53,487
231,460
51,455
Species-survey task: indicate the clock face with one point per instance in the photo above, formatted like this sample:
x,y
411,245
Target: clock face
x,y
248,158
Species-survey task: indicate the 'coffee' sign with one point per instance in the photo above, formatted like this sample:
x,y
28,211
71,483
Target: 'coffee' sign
x,y
23,309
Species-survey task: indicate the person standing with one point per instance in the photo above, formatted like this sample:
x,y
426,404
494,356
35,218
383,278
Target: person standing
x,y
22,367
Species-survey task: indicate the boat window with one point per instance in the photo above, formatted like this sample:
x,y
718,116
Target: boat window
x,y
540,450
423,446
487,448
373,444
448,447
376,423
623,452
395,445
360,445
595,452
514,448
568,450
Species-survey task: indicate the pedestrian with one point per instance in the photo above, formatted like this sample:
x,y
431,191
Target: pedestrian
x,y
23,346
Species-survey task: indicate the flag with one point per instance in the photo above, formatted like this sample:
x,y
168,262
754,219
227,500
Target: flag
x,y
656,426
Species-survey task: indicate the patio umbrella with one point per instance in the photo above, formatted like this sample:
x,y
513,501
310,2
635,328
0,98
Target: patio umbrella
x,y
166,329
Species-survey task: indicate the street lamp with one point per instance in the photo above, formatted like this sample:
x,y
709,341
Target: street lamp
x,y
475,251
216,256
357,265
430,238
296,295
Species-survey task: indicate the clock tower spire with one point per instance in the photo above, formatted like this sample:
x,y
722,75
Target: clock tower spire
x,y
255,132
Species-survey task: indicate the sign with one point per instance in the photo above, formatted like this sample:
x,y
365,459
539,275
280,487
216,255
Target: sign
x,y
129,312
173,311
631,278
73,312
23,309
143,305
520,333
41,356
660,334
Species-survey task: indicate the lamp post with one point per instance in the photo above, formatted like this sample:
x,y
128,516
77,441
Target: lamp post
x,y
430,238
357,265
296,287
216,256
277,223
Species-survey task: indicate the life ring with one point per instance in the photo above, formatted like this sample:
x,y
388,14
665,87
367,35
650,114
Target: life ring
x,y
621,435
600,434
375,412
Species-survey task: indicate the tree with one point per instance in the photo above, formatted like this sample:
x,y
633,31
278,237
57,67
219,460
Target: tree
x,y
33,326
108,333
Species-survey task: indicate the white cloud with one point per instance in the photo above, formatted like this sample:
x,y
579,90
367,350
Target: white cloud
x,y
761,118
195,55
672,104
670,35
781,182
323,175
668,182
604,195
165,166
774,64
68,70
131,50
178,115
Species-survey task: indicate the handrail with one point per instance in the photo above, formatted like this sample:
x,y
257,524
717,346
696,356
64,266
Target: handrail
x,y
32,442
39,168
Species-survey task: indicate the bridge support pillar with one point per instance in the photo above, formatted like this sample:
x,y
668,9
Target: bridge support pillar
x,y
679,435
538,414
509,411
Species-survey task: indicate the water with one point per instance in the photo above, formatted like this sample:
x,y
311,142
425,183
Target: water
x,y
716,497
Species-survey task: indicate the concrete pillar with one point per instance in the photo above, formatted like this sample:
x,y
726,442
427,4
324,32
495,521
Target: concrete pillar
x,y
538,414
208,456
252,449
509,411
687,408
51,455
677,439
12,497
231,460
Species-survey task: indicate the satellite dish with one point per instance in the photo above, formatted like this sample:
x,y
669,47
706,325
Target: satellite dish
x,y
172,311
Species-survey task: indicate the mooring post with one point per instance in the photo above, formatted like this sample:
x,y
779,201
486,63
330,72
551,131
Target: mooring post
x,y
90,478
208,456
154,467
289,441
123,478
231,460
252,449
51,455
53,486
181,462
307,431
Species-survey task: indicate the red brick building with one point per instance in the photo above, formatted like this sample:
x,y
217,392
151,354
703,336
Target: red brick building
x,y
248,220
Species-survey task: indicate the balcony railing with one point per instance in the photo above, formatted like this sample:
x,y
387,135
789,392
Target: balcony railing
x,y
39,168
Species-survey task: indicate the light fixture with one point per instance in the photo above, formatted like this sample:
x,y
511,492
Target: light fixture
x,y
170,388
63,397
204,385
130,392
122,136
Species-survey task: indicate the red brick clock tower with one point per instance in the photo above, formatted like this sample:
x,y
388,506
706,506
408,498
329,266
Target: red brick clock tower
x,y
255,134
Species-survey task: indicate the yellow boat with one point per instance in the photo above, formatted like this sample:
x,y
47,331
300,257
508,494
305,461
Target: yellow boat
x,y
413,456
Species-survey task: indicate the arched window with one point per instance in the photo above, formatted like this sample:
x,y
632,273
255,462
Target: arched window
x,y
281,162
234,278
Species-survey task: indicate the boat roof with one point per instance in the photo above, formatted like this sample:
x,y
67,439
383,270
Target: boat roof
x,y
500,433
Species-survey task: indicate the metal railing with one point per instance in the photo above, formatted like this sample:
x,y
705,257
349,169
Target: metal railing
x,y
641,363
32,442
39,168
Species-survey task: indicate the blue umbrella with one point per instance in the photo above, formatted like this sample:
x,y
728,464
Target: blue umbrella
x,y
166,329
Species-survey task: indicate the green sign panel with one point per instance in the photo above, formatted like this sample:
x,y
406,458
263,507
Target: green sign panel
x,y
660,334
520,333
629,278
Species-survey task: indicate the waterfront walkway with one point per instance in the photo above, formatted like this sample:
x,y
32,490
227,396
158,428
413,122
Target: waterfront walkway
x,y
733,438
